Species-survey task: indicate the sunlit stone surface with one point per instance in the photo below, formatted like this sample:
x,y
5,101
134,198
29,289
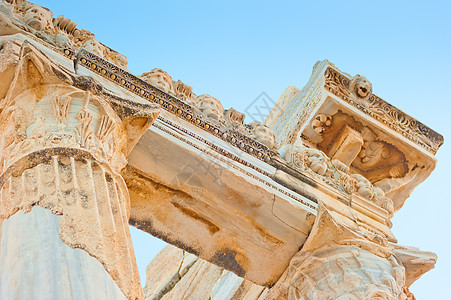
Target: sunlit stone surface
x,y
296,208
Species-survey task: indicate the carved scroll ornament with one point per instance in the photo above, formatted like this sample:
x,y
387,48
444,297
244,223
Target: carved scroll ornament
x,y
357,92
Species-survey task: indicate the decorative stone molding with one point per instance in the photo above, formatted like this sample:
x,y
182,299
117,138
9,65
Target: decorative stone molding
x,y
171,104
156,85
336,174
63,142
234,118
61,33
350,90
340,116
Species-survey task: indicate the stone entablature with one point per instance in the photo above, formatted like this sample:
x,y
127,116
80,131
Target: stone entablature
x,y
340,116
206,112
357,91
326,177
37,22
226,125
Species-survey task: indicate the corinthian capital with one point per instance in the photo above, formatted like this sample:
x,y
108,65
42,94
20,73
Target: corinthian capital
x,y
340,260
63,141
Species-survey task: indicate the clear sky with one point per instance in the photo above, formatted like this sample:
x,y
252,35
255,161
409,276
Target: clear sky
x,y
235,50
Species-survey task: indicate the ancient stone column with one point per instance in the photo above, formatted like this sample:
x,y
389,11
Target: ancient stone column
x,y
341,261
64,207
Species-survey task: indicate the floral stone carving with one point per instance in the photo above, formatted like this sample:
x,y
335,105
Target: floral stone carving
x,y
63,143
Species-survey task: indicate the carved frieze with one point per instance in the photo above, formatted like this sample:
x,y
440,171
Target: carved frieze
x,y
336,174
357,92
210,108
243,139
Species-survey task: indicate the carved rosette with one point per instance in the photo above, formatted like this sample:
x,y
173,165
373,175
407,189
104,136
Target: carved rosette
x,y
63,142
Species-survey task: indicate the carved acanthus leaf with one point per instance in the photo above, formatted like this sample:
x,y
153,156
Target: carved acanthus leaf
x,y
334,263
83,129
106,128
61,108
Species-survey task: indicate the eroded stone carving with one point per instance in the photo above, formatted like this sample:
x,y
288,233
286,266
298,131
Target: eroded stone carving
x,y
339,261
160,79
336,174
38,22
372,105
210,107
184,92
263,134
321,122
65,136
361,87
234,118
50,156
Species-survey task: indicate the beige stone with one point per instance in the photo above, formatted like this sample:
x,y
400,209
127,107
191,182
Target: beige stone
x,y
62,148
175,274
297,208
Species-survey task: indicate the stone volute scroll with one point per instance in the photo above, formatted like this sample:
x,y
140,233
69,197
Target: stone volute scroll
x,y
63,142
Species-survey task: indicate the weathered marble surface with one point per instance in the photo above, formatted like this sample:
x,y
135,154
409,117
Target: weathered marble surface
x,y
36,264
62,145
176,274
308,195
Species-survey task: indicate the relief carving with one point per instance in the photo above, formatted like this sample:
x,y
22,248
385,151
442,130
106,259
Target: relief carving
x,y
336,174
360,89
321,122
61,108
210,107
372,150
160,79
240,137
339,261
234,118
263,134
83,128
37,21
105,132
184,91
47,141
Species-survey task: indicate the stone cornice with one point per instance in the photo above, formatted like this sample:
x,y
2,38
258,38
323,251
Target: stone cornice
x,y
169,103
339,84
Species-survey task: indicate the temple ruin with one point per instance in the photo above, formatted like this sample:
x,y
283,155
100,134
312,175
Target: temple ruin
x,y
296,208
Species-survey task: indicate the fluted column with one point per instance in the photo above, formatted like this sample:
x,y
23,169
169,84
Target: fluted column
x,y
63,142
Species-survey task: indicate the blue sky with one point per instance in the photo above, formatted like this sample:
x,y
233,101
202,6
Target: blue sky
x,y
235,50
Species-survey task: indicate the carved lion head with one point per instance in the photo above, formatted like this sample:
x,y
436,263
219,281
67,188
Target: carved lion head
x,y
361,87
